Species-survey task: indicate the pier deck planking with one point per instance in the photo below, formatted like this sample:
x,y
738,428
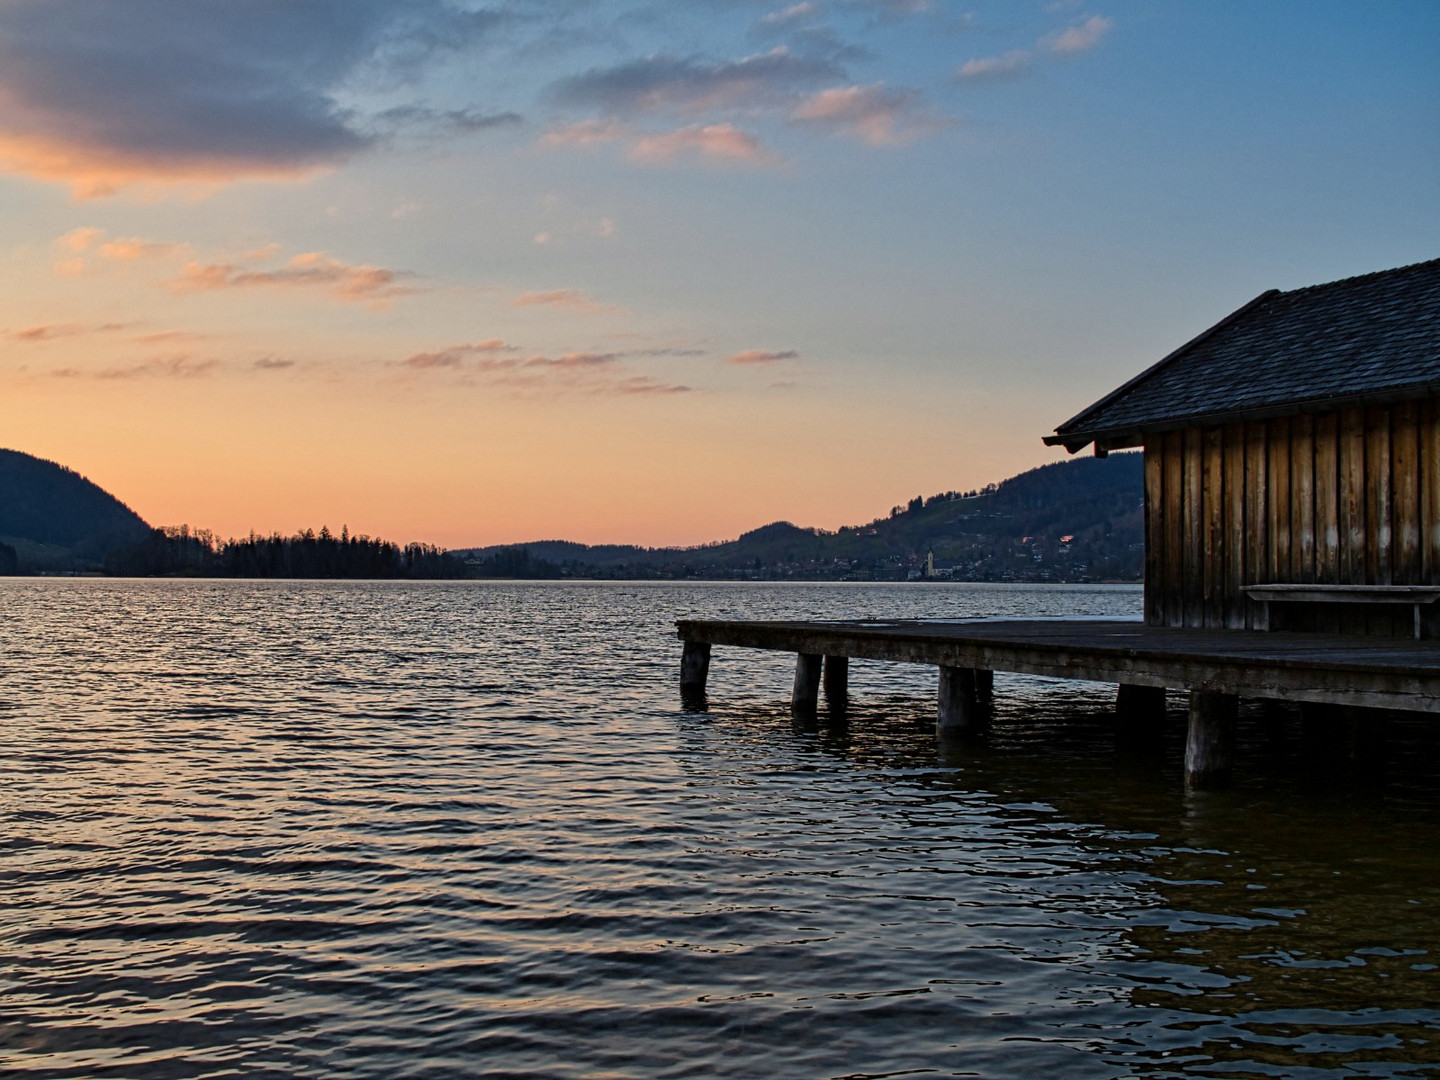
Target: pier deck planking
x,y
1372,672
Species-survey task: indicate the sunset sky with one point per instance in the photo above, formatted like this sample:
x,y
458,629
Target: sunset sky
x,y
475,272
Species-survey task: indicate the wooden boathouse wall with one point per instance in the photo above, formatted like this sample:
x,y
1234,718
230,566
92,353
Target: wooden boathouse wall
x,y
1345,497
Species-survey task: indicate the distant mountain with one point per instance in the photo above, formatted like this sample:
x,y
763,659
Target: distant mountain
x,y
1078,520
52,518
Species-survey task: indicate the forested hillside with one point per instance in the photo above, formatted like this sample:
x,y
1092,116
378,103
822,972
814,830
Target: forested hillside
x,y
1078,520
52,518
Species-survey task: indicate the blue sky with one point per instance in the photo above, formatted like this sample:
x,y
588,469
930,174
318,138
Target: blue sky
x,y
482,272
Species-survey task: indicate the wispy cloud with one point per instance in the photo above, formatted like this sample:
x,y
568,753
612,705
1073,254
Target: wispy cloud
x,y
757,357
588,133
272,363
169,367
894,9
131,248
165,337
714,142
102,95
1011,65
877,114
456,355
51,331
313,270
793,13
1060,44
720,143
662,83
424,120
574,299
495,364
1079,38
81,239
80,248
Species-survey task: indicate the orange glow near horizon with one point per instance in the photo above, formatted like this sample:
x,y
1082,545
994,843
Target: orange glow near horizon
x,y
243,458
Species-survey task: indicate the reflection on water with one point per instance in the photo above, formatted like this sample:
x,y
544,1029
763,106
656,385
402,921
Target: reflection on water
x,y
437,830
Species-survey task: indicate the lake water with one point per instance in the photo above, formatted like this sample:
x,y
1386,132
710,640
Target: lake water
x,y
281,829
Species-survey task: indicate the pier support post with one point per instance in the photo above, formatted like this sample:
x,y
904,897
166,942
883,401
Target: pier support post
x,y
959,705
837,679
984,685
694,671
806,694
1210,745
1139,706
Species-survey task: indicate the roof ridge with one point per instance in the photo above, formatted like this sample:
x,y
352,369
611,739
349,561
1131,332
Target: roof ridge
x,y
1394,270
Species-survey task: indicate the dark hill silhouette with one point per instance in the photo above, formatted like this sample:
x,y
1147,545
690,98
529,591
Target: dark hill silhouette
x,y
1081,519
55,519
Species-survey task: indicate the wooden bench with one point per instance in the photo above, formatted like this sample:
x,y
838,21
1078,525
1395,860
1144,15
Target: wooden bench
x,y
1420,598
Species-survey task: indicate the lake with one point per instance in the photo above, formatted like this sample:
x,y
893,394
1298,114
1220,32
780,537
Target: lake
x,y
375,829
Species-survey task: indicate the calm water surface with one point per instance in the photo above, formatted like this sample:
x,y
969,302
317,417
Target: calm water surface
x,y
451,830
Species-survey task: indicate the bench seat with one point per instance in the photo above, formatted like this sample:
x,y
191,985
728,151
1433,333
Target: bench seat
x,y
1421,599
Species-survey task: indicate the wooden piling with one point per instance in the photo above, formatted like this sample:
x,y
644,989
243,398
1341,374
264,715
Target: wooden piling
x,y
837,679
694,670
1139,706
959,704
806,693
1210,745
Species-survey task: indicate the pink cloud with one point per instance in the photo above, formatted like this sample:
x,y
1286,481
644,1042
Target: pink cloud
x,y
372,284
566,298
874,114
590,373
79,239
456,355
1080,38
714,142
588,133
173,367
751,357
990,68
128,249
722,143
51,331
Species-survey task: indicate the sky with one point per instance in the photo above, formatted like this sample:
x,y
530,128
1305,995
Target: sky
x,y
475,272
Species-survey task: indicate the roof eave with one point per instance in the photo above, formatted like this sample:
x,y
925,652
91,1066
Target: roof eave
x,y
1123,438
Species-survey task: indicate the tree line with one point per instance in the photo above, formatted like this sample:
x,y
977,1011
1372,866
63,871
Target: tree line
x,y
181,551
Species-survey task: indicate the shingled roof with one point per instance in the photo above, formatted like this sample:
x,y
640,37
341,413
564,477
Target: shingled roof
x,y
1369,338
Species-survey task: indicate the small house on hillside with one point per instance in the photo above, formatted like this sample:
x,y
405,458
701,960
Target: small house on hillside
x,y
1292,461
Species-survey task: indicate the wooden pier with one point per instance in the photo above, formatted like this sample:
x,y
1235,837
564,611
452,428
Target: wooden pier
x,y
1217,667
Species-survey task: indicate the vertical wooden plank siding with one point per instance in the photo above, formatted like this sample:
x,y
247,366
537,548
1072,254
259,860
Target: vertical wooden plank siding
x,y
1327,508
1405,509
1174,470
1155,529
1193,574
1257,514
1233,541
1430,491
1278,567
1378,486
1353,520
1343,498
1213,493
1302,500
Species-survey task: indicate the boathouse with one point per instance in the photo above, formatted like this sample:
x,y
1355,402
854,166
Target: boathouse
x,y
1292,525
1292,461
